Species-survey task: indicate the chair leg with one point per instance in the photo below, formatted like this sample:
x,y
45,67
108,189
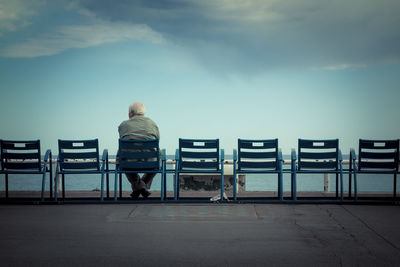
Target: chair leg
x,y
394,186
222,186
355,187
350,176
115,186
234,183
108,184
63,186
280,186
176,185
165,186
51,178
294,186
337,186
102,187
6,181
341,186
162,185
43,184
120,185
56,184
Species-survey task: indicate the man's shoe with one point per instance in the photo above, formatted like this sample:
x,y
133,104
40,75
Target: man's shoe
x,y
145,193
135,194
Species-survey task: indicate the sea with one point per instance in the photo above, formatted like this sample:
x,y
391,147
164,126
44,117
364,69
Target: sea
x,y
254,182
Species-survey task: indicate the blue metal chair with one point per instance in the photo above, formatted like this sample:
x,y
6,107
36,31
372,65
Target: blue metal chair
x,y
375,157
139,156
317,156
80,157
257,156
199,156
24,157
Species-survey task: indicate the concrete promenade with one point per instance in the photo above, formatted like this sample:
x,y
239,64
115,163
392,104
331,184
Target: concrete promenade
x,y
199,235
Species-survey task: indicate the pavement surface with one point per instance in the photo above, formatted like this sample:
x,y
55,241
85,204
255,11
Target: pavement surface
x,y
199,235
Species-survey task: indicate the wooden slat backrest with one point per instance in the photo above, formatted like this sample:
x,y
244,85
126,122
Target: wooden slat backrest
x,y
318,154
257,154
20,155
378,154
199,154
79,154
139,154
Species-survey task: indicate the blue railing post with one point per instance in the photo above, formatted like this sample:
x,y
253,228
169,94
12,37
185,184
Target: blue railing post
x,y
234,174
280,175
176,176
354,167
116,183
222,174
56,179
163,162
293,174
341,174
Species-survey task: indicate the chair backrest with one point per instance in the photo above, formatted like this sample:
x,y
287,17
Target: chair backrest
x,y
199,154
79,154
139,154
318,154
378,154
257,154
20,155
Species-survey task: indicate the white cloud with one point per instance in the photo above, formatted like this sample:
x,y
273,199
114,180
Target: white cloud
x,y
16,14
243,11
341,67
81,36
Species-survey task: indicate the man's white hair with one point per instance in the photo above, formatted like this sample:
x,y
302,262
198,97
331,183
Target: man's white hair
x,y
137,108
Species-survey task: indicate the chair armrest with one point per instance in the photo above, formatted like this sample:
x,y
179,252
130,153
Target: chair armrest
x,y
104,159
352,154
176,155
222,154
105,155
353,158
293,158
235,156
163,155
47,155
280,157
340,156
293,155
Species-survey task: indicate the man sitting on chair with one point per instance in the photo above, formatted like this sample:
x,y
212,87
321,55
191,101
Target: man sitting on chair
x,y
139,127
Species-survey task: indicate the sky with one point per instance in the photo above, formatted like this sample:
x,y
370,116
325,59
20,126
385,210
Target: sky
x,y
224,69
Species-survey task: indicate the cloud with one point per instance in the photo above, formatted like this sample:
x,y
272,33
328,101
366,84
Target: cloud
x,y
252,36
229,35
340,67
16,14
80,36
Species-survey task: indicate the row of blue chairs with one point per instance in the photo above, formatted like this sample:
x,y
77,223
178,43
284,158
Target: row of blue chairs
x,y
200,156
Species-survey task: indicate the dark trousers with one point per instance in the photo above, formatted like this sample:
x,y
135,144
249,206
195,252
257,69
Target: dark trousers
x,y
138,183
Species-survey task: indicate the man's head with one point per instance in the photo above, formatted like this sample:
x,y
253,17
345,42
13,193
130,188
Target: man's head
x,y
136,108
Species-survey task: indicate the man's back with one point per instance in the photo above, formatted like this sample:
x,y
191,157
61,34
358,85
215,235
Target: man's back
x,y
138,127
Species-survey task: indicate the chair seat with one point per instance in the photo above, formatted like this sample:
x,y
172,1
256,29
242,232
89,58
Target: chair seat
x,y
377,172
29,171
80,172
318,171
139,170
200,171
257,171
